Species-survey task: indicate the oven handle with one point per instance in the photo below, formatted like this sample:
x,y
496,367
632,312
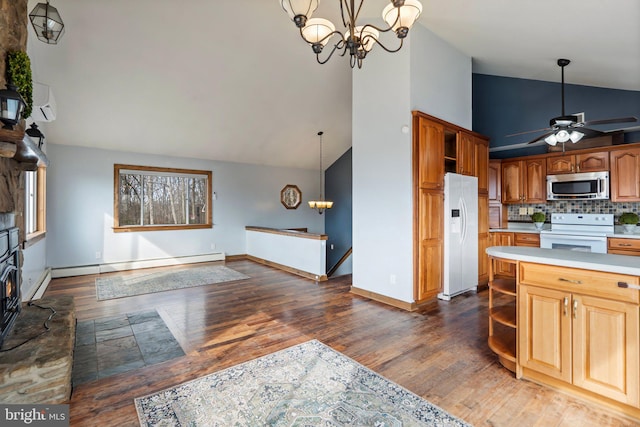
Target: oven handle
x,y
573,237
7,271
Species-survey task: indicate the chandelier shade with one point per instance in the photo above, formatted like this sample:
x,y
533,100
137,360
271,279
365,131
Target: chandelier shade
x,y
400,19
356,40
318,31
47,23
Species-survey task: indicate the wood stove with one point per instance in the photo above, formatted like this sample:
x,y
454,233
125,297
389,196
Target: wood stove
x,y
10,299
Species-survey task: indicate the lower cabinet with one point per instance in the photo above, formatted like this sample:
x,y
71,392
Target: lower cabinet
x,y
578,328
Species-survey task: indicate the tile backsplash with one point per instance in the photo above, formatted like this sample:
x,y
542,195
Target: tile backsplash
x,y
577,206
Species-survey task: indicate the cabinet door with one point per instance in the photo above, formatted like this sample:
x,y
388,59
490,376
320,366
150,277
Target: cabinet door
x,y
511,182
466,154
535,188
560,164
482,164
429,153
484,239
430,244
605,348
495,179
544,331
625,175
592,162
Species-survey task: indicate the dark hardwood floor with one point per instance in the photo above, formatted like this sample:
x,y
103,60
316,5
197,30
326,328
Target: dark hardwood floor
x,y
438,352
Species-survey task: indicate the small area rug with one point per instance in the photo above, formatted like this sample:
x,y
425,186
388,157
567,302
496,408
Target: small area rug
x,y
306,385
126,286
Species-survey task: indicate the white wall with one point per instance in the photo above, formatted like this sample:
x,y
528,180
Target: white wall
x,y
34,264
441,78
425,74
80,207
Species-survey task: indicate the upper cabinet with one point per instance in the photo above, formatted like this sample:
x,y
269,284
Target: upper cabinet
x,y
430,150
524,181
586,162
481,158
625,175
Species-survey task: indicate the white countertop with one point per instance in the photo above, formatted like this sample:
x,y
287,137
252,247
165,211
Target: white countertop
x,y
623,264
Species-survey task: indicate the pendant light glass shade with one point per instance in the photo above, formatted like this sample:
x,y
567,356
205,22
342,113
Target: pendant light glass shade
x,y
47,23
318,30
402,18
11,106
299,10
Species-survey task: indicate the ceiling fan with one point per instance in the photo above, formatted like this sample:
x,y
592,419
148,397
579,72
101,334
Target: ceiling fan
x,y
569,127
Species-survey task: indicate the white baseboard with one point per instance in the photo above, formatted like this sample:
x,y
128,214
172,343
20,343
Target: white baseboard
x,y
41,287
134,265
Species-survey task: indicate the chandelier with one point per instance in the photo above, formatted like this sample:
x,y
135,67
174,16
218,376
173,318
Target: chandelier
x,y
400,15
321,204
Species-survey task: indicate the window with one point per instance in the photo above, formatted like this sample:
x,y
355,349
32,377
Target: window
x,y
35,207
150,198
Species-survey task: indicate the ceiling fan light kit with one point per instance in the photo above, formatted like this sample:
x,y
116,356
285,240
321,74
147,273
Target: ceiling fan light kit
x,y
571,127
357,40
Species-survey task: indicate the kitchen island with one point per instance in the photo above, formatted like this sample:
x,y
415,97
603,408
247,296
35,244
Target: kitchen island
x,y
569,320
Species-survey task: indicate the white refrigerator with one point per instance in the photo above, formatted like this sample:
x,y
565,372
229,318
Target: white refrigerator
x,y
460,235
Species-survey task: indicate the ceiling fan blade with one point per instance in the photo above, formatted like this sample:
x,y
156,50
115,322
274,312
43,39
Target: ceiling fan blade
x,y
526,132
589,133
541,137
630,119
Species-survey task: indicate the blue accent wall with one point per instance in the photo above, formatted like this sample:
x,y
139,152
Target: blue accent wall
x,y
505,105
338,223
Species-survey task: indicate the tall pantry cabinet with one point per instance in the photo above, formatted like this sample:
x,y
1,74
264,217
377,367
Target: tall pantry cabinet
x,y
440,147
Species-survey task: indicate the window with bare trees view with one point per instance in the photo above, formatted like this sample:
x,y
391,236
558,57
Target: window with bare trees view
x,y
151,198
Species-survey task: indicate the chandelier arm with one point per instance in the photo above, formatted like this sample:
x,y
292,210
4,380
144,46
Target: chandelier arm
x,y
381,30
335,47
327,37
379,43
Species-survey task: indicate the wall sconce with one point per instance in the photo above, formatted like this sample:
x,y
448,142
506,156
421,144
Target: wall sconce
x,y
34,132
11,107
47,23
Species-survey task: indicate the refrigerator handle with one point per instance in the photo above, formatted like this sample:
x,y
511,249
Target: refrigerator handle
x,y
463,209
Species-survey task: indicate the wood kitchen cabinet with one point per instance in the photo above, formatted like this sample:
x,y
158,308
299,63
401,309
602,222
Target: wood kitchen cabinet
x,y
440,147
498,215
584,162
622,246
524,181
579,327
484,239
625,175
503,238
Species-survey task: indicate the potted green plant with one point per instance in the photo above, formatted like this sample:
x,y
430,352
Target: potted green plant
x,y
538,219
19,74
628,221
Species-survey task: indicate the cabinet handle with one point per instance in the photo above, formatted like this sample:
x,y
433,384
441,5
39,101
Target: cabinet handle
x,y
566,306
625,244
626,285
577,282
575,308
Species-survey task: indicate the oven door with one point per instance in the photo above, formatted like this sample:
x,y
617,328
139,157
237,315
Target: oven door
x,y
572,242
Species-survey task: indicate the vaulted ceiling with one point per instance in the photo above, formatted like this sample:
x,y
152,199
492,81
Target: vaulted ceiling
x,y
232,80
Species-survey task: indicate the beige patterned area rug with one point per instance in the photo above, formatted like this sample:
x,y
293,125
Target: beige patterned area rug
x,y
306,385
148,283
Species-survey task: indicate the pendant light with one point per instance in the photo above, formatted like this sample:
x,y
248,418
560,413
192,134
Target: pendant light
x,y
47,23
321,204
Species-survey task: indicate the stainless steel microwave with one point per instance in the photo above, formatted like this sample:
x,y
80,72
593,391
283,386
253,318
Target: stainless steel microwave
x,y
578,186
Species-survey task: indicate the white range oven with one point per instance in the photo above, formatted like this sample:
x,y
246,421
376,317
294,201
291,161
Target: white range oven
x,y
578,232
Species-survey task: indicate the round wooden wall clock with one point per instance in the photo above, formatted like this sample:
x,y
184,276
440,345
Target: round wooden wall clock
x,y
290,196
